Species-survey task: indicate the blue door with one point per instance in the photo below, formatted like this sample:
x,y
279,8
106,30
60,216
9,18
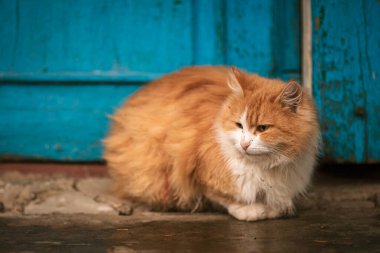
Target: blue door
x,y
66,64
346,78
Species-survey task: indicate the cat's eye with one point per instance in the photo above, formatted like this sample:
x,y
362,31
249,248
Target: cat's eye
x,y
239,125
262,128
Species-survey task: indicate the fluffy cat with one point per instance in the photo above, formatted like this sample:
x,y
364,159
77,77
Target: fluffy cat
x,y
214,134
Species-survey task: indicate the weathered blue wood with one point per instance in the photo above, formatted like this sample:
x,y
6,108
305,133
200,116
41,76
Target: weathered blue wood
x,y
285,39
75,78
61,122
346,74
209,32
44,36
249,45
65,64
67,37
264,37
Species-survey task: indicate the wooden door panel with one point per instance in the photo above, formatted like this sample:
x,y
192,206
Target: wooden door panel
x,y
65,64
346,72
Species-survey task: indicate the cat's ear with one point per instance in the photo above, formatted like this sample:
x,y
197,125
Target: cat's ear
x,y
291,95
233,80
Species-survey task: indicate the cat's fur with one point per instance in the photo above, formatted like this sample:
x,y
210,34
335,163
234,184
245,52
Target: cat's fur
x,y
177,142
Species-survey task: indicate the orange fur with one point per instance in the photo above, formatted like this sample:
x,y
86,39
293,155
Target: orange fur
x,y
163,148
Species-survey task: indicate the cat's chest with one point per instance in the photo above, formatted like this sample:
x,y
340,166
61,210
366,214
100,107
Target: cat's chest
x,y
251,182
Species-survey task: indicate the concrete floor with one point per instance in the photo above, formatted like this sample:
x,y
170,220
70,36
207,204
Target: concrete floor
x,y
43,213
325,231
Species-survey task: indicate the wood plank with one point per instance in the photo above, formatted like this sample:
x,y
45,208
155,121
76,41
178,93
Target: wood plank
x,y
209,32
76,77
346,69
307,64
264,37
82,36
57,121
286,39
248,35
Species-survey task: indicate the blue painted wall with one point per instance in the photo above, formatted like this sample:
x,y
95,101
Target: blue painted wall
x,y
346,77
66,64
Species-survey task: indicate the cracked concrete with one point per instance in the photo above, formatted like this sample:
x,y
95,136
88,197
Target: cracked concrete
x,y
22,194
26,194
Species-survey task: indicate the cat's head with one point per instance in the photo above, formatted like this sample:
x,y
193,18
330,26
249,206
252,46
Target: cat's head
x,y
266,118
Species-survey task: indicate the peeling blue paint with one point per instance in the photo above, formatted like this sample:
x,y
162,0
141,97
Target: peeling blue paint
x,y
346,62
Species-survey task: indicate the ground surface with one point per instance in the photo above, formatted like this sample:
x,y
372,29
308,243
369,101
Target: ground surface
x,y
56,213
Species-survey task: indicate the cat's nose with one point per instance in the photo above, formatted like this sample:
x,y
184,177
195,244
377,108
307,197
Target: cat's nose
x,y
245,142
245,145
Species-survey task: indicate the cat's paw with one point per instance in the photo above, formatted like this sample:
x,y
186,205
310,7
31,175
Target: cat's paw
x,y
251,212
257,211
123,207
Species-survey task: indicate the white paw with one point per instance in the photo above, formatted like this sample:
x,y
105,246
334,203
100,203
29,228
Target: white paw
x,y
248,212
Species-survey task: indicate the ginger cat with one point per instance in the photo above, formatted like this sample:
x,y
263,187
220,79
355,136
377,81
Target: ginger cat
x,y
215,134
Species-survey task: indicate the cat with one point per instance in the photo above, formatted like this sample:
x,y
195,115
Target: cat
x,y
215,135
